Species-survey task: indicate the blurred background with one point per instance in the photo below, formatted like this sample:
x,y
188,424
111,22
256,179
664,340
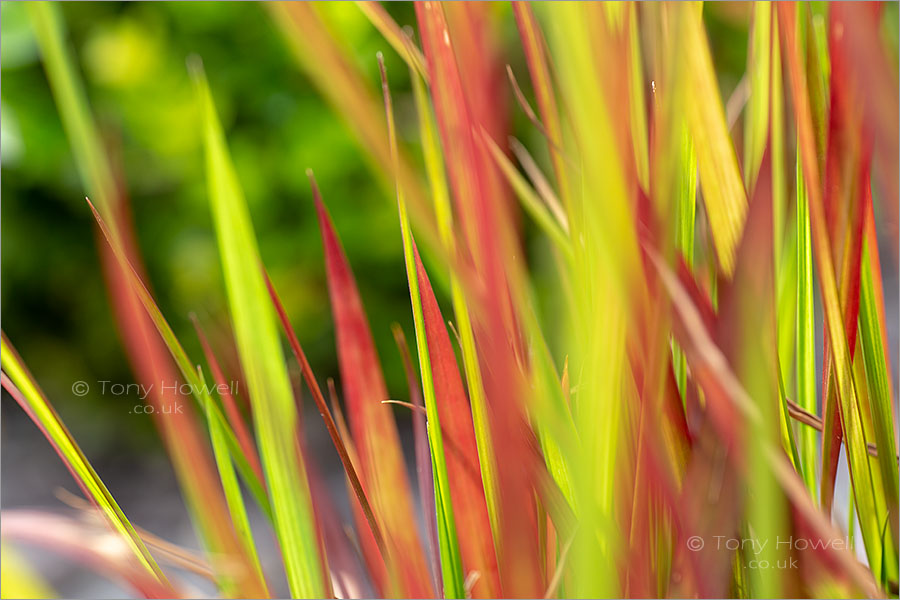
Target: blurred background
x,y
55,306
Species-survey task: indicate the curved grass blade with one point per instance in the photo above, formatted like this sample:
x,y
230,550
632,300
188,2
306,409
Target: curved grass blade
x,y
263,363
24,389
199,388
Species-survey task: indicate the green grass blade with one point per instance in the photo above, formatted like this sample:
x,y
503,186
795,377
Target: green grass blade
x,y
199,387
451,562
262,360
29,395
874,354
756,120
806,334
236,509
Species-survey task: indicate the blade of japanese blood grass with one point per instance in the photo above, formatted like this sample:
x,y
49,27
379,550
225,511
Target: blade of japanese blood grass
x,y
875,355
487,237
452,575
330,426
24,389
199,388
423,457
374,432
476,541
231,409
433,156
684,237
395,36
723,192
263,363
233,497
759,67
844,390
806,332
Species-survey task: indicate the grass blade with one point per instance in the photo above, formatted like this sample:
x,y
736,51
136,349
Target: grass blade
x,y
451,561
723,192
374,432
262,361
24,389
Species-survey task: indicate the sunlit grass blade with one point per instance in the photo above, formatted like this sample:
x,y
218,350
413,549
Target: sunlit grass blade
x,y
236,509
24,389
275,414
874,354
228,402
452,575
723,192
423,457
806,332
845,391
759,68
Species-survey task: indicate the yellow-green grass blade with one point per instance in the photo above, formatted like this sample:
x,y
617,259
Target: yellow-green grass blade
x,y
684,234
759,68
438,184
636,100
448,544
806,334
27,392
274,410
723,191
232,489
198,386
874,354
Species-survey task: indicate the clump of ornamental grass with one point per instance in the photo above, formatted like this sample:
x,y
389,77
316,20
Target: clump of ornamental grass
x,y
618,446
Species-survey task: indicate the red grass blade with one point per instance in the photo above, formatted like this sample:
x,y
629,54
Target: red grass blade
x,y
467,492
371,422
